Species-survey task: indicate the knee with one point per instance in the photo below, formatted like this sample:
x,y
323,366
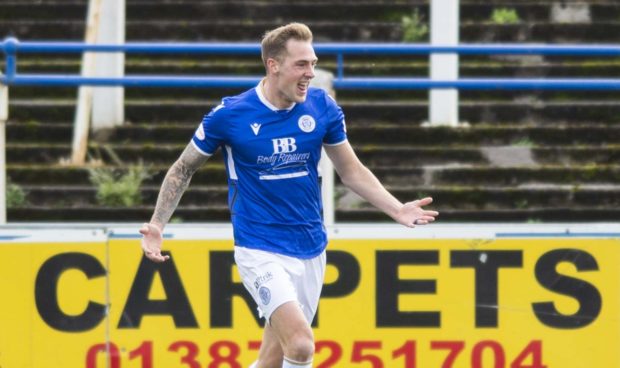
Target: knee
x,y
300,347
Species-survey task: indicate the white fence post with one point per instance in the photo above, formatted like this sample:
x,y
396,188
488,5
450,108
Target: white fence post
x,y
108,102
85,93
4,116
327,190
325,80
443,106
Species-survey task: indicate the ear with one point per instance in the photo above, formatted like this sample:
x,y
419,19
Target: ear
x,y
273,65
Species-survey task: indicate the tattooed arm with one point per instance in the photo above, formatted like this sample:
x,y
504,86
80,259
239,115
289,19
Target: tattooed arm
x,y
175,183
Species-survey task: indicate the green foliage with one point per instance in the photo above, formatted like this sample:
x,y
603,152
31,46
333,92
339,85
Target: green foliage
x,y
15,195
414,28
119,188
505,16
523,142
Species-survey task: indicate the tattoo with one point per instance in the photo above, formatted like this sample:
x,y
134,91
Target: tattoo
x,y
175,183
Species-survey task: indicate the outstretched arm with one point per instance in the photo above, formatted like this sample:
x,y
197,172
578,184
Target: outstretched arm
x,y
175,183
362,181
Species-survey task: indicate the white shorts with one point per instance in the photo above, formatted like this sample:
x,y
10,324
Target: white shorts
x,y
274,279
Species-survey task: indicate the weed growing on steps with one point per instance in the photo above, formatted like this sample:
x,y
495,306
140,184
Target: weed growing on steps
x,y
16,196
523,142
505,16
119,187
414,28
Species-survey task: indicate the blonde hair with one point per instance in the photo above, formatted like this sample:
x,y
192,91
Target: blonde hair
x,y
274,42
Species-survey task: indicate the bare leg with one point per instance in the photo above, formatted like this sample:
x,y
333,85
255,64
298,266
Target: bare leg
x,y
270,353
289,335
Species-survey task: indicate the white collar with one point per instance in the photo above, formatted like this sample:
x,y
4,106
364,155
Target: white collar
x,y
263,99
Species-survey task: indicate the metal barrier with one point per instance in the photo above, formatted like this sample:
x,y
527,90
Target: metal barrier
x,y
11,47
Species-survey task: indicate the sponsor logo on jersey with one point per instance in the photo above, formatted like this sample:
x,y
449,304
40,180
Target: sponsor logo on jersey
x,y
284,145
255,127
284,162
306,123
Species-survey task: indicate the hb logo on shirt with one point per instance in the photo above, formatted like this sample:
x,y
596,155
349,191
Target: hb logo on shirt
x,y
284,145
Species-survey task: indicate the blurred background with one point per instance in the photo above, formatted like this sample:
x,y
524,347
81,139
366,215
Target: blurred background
x,y
512,156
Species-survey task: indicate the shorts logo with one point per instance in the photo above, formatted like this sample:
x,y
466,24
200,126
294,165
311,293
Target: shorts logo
x,y
265,295
306,123
263,279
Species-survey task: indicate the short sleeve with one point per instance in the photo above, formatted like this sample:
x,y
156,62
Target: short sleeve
x,y
336,126
211,132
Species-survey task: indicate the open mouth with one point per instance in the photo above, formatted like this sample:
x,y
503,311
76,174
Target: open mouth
x,y
302,88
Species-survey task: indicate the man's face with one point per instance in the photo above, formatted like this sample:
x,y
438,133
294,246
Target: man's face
x,y
294,72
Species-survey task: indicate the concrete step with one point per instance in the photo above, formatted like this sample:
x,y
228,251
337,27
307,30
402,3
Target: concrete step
x,y
203,30
252,10
485,135
600,32
446,198
373,154
409,173
31,135
211,97
192,111
63,174
221,214
34,213
378,133
217,214
518,197
455,204
501,176
479,156
80,196
324,30
204,203
418,174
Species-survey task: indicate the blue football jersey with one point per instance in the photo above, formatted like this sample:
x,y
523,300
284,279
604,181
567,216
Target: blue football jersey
x,y
272,161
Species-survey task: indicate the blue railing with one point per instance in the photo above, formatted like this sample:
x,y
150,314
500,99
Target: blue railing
x,y
11,47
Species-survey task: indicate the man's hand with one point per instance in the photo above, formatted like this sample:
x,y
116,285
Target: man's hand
x,y
151,243
412,213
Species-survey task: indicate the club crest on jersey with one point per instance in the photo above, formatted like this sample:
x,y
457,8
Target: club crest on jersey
x,y
265,295
255,127
306,123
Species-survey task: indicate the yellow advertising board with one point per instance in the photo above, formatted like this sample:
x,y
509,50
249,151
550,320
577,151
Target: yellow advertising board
x,y
46,280
518,300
